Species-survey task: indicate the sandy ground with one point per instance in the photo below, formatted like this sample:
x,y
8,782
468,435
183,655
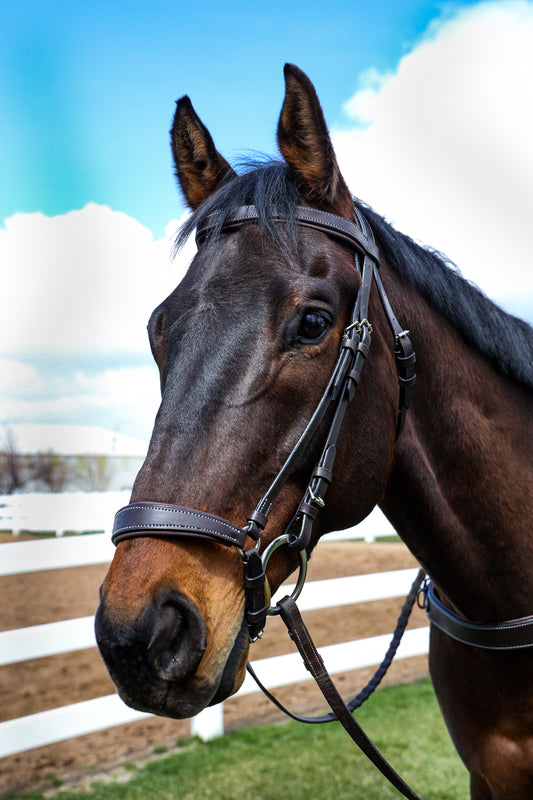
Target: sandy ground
x,y
45,683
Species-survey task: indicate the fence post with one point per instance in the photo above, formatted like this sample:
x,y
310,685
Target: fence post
x,y
209,723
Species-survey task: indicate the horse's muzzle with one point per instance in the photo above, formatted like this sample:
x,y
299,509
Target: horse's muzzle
x,y
153,659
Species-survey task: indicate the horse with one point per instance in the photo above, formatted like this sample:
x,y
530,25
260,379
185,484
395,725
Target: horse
x,y
246,347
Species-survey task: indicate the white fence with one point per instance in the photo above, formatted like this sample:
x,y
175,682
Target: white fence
x,y
77,719
76,512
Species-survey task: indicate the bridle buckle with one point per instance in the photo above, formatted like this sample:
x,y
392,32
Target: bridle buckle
x,y
359,325
316,499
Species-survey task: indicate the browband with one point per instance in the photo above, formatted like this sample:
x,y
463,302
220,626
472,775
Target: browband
x,y
308,217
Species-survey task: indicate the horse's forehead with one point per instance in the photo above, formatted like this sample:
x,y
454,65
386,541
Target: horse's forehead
x,y
248,260
245,280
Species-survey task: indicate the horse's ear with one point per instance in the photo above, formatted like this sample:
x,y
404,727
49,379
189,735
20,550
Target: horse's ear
x,y
199,166
306,146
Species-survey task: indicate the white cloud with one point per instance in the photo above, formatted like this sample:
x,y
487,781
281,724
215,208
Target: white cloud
x,y
85,281
124,399
363,105
442,147
18,379
77,291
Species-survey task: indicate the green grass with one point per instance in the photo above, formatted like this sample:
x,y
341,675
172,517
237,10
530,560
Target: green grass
x,y
392,539
292,761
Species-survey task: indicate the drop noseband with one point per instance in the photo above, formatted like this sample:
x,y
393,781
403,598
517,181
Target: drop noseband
x,y
159,519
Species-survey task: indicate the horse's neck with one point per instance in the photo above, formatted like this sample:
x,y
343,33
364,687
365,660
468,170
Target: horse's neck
x,y
461,491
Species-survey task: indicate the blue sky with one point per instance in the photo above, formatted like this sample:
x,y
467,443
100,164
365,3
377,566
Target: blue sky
x,y
427,103
90,86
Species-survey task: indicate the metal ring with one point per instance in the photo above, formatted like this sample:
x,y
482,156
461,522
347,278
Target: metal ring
x,y
265,557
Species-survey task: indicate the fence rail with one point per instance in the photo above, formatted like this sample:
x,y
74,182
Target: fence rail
x,y
38,641
60,513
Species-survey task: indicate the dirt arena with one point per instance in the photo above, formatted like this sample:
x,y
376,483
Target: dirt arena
x,y
45,683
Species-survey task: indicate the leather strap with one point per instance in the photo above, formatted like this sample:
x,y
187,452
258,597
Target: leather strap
x,y
255,599
314,663
340,390
329,223
162,519
514,634
404,355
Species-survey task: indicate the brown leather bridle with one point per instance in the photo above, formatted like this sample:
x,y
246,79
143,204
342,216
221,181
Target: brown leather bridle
x,y
159,519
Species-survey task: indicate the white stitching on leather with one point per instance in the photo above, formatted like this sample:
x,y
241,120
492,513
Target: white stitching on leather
x,y
231,535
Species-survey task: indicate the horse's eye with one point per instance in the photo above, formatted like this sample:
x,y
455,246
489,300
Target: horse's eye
x,y
313,326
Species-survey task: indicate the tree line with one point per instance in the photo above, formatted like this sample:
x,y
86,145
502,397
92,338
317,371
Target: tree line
x,y
49,471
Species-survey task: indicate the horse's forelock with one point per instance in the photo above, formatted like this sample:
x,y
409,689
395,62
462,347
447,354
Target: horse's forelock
x,y
265,184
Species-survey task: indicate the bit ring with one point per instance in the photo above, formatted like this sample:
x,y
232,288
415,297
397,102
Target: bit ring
x,y
265,557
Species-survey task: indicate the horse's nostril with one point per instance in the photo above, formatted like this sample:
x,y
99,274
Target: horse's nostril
x,y
178,636
167,624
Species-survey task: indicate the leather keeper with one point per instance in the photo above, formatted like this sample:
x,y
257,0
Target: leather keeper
x,y
364,347
258,518
323,472
259,616
350,344
254,593
309,510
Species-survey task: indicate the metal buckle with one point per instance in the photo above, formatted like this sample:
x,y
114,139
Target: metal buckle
x,y
316,499
402,335
422,595
359,325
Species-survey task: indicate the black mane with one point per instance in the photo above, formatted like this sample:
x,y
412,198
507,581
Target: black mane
x,y
504,340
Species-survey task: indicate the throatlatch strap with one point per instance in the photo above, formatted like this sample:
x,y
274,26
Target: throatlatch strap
x,y
313,661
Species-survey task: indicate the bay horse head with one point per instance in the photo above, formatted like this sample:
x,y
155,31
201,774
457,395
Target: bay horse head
x,y
260,349
246,346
